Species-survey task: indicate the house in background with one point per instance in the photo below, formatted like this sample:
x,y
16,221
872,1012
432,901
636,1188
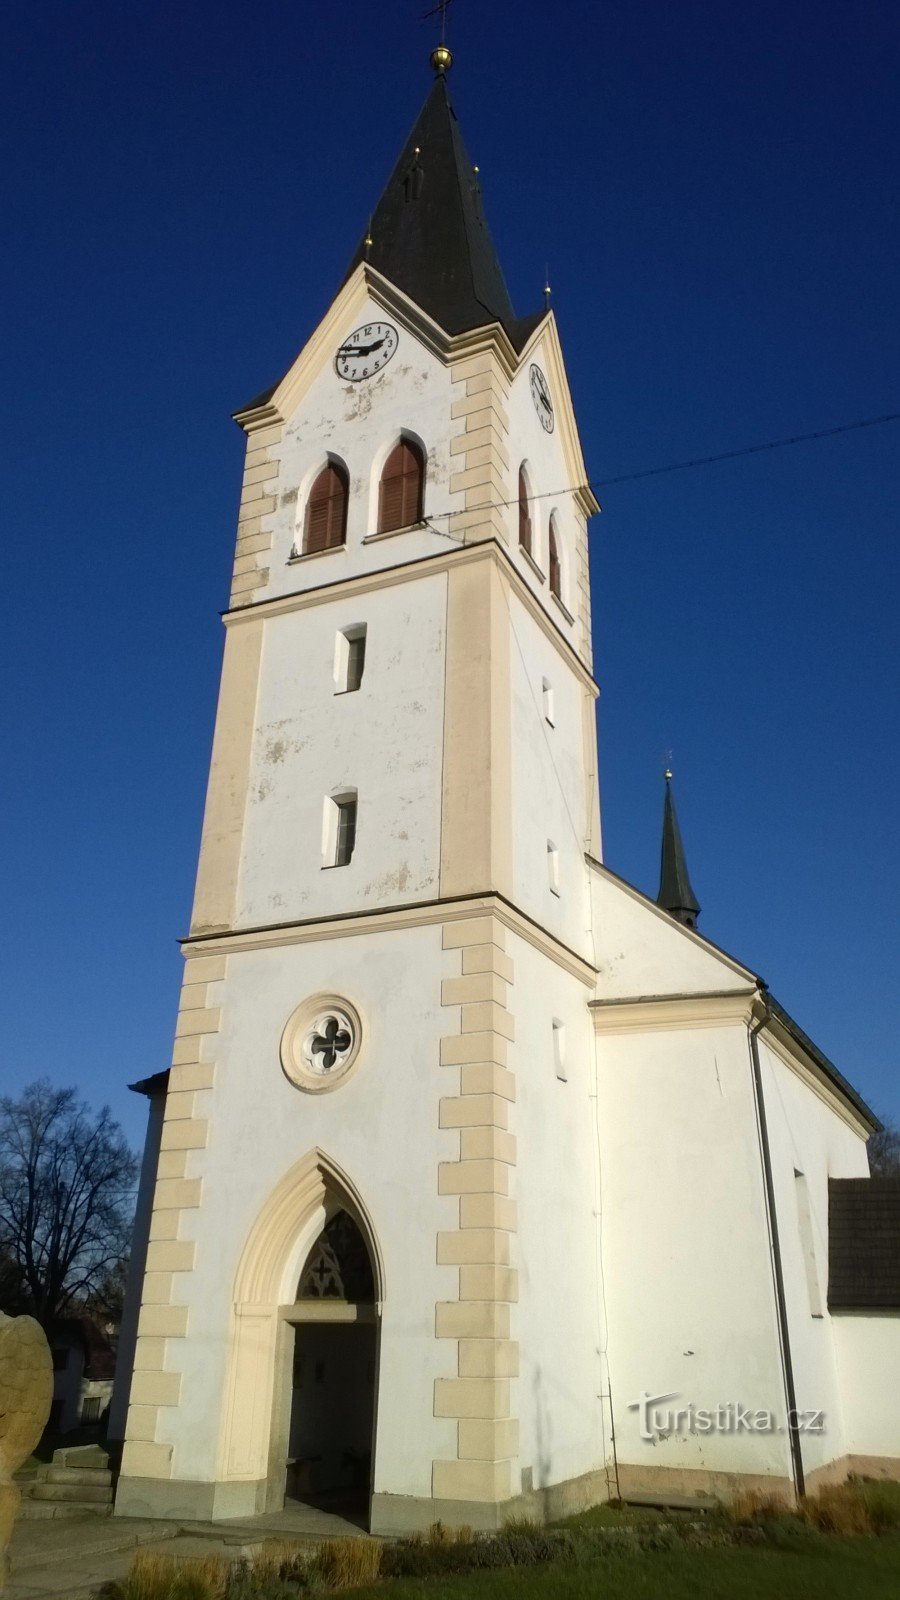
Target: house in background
x,y
84,1359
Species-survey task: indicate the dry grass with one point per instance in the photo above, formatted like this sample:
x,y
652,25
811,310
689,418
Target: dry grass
x,y
439,1533
347,1563
851,1509
280,1558
160,1578
837,1508
755,1505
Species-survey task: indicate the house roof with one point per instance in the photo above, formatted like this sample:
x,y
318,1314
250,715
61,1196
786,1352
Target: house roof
x,y
863,1244
99,1352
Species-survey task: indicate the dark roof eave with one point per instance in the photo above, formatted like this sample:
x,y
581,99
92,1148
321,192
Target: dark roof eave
x,y
822,1061
156,1084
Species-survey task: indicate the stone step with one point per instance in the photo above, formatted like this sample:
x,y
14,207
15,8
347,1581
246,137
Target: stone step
x,y
98,1477
88,1494
81,1455
45,1510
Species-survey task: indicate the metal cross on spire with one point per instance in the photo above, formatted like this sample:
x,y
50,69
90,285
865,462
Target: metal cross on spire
x,y
441,9
441,58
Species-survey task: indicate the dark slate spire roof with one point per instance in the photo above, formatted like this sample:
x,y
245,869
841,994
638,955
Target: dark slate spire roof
x,y
429,234
675,893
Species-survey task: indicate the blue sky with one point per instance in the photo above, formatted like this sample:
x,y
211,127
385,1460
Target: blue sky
x,y
714,189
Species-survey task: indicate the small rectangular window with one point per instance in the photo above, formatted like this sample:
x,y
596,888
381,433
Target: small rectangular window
x,y
346,832
547,692
553,866
356,660
559,1049
349,659
807,1244
339,828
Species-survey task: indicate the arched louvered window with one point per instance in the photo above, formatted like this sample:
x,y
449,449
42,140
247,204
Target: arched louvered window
x,y
555,572
326,509
525,532
402,492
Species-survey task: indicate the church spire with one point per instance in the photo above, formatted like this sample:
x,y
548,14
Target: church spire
x,y
675,893
429,234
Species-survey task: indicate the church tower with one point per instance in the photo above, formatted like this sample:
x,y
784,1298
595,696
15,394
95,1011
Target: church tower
x,y
373,1216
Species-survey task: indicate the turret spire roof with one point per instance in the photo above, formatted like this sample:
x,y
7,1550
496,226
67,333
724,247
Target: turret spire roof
x,y
675,893
429,235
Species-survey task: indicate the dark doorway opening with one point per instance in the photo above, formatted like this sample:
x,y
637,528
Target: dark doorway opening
x,y
335,1365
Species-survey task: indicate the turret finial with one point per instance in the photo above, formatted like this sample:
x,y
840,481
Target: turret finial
x,y
441,58
675,893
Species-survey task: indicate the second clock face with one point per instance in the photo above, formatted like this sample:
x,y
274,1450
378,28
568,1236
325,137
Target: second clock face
x,y
365,351
540,394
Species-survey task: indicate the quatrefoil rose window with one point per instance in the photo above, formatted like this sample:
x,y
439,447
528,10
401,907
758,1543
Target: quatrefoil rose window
x,y
320,1043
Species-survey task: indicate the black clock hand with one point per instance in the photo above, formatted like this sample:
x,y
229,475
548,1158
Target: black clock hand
x,y
360,349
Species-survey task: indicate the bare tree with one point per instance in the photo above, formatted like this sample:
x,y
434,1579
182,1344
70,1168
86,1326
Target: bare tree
x,y
884,1151
67,1179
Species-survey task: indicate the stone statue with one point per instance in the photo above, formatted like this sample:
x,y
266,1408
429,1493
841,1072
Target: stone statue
x,y
26,1390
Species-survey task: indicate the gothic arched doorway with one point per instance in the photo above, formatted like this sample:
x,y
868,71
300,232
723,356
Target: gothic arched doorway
x,y
334,1372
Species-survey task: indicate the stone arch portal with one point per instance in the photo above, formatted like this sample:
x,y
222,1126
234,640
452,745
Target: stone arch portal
x,y
257,1421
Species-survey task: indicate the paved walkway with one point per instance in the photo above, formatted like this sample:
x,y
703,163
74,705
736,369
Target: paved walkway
x,y
68,1558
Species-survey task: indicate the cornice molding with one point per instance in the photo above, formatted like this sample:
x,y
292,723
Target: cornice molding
x,y
673,1011
426,914
407,572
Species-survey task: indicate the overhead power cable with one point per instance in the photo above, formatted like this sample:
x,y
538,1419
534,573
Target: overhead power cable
x,y
680,466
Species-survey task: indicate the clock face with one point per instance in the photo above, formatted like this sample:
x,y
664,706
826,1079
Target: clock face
x,y
365,351
540,394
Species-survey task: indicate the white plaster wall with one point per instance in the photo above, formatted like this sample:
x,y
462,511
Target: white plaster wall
x,y
867,1345
686,1262
806,1135
641,952
558,1320
359,423
549,475
381,1127
384,740
549,793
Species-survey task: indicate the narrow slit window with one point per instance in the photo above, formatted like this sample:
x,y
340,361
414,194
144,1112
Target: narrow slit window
x,y
525,529
325,527
559,1049
547,698
339,829
807,1244
553,553
356,660
553,866
401,495
349,659
346,832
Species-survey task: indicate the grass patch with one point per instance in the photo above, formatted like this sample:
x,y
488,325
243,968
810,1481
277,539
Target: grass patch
x,y
825,1549
820,1569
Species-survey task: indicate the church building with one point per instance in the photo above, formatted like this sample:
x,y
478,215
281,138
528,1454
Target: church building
x,y
479,1184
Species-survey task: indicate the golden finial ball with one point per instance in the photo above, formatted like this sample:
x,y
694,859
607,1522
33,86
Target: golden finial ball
x,y
441,59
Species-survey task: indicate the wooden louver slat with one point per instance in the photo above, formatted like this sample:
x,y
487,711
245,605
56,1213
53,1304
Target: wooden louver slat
x,y
554,564
524,513
326,510
401,495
